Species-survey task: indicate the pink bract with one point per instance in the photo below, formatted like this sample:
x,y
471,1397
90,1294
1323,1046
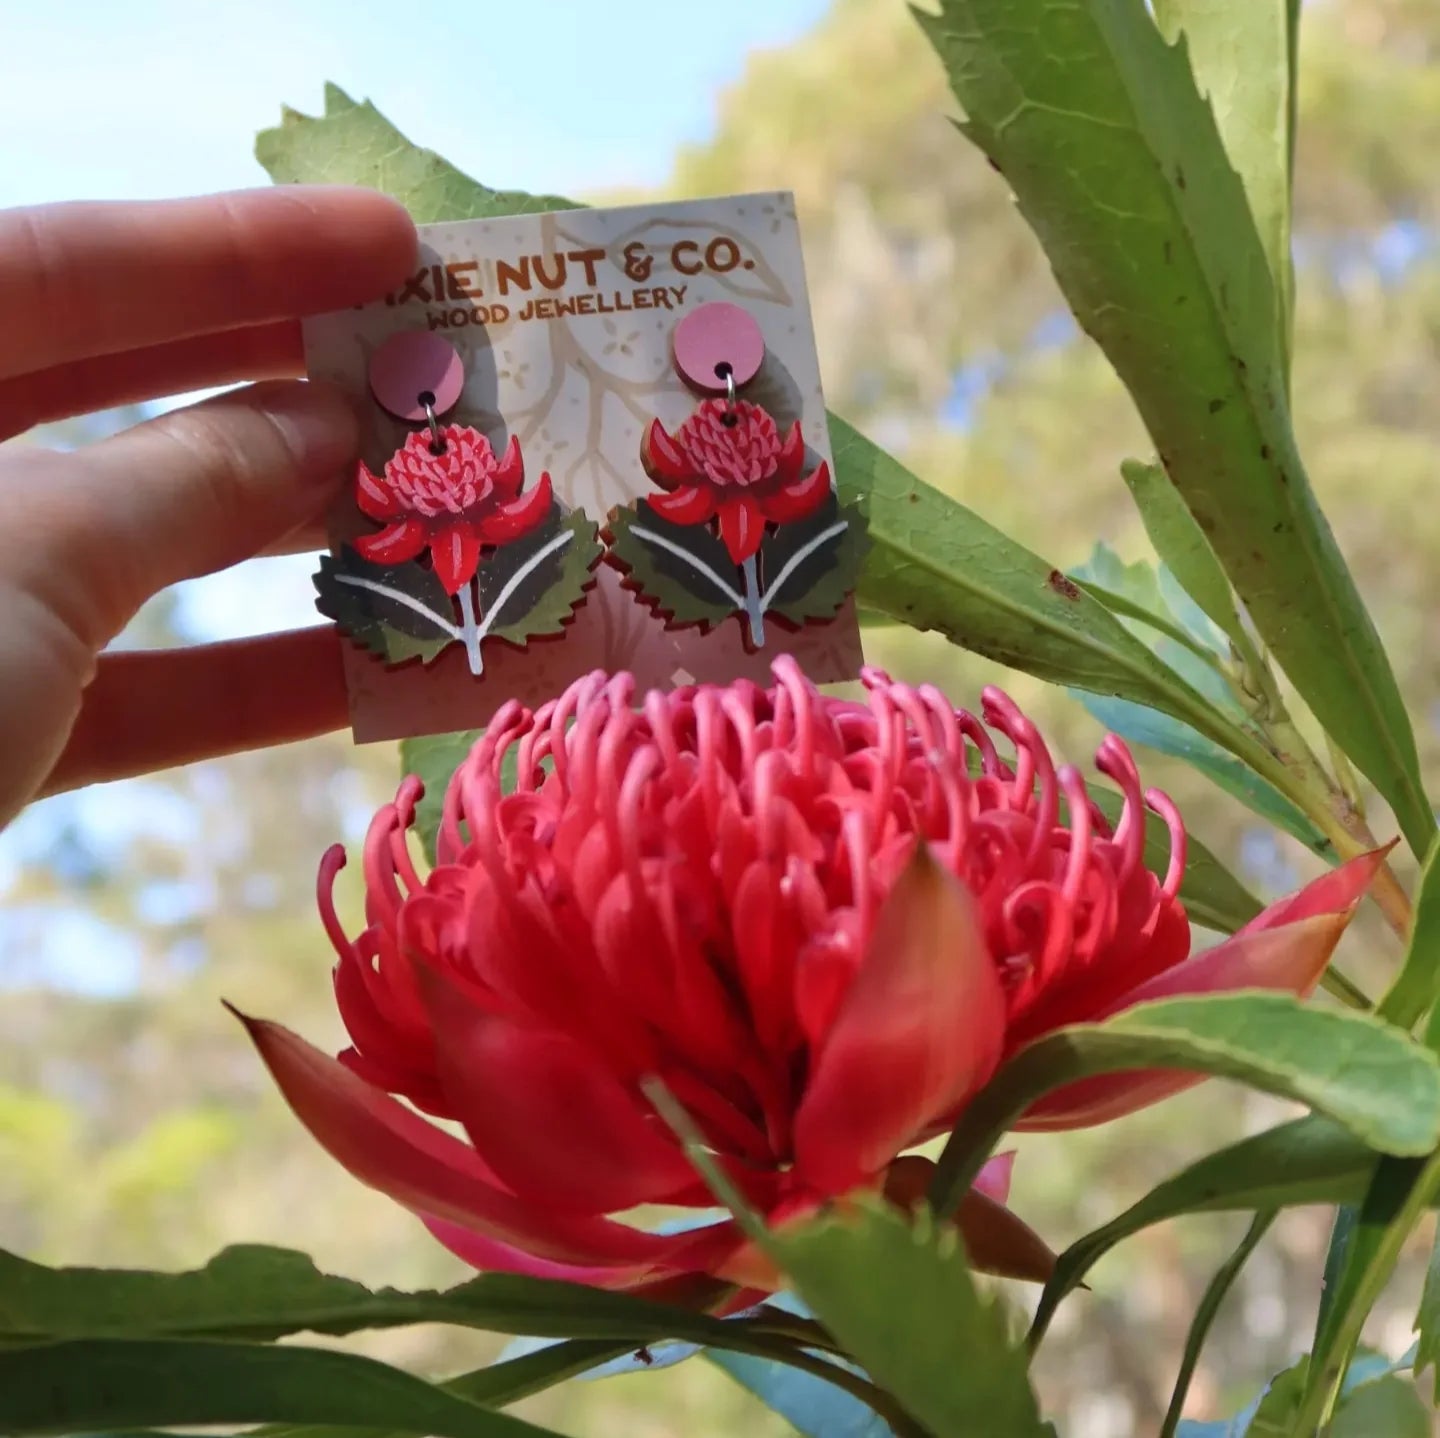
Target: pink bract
x,y
821,925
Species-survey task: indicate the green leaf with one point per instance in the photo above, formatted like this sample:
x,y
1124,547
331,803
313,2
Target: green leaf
x,y
1118,166
1366,1244
1204,1316
354,144
1181,543
266,1293
1399,1192
1308,1161
1125,608
1417,986
1427,1320
1276,1411
1181,636
1388,1407
256,1292
1241,55
494,1386
434,758
900,1298
934,564
1160,732
103,1384
1375,1404
1361,1072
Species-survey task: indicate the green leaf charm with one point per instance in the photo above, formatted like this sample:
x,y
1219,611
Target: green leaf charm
x,y
803,570
681,570
529,588
396,611
810,568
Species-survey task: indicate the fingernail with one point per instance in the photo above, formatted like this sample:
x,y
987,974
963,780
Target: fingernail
x,y
318,422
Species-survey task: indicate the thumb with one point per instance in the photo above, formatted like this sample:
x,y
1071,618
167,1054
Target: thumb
x,y
102,529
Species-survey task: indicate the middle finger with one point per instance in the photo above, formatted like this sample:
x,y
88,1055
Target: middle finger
x,y
272,351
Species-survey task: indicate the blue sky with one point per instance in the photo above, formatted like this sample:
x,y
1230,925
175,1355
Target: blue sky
x,y
161,98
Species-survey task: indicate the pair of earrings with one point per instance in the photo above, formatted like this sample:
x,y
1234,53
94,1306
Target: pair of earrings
x,y
741,524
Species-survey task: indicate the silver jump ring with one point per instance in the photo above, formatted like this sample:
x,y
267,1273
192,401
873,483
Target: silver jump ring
x,y
729,391
437,440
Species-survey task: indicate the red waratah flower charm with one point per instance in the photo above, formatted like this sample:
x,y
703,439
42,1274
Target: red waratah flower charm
x,y
820,924
449,495
727,462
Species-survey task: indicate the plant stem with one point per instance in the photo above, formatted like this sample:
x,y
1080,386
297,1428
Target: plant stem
x,y
1205,1316
1327,804
754,614
1119,604
469,631
1339,986
1323,1387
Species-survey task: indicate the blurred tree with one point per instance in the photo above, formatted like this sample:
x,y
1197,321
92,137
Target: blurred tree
x,y
139,1129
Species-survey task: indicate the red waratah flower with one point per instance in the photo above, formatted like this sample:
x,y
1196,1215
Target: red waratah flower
x,y
452,502
808,918
731,463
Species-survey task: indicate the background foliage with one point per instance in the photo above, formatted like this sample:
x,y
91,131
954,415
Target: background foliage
x,y
944,336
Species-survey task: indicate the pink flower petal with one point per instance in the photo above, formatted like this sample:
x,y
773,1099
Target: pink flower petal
x,y
689,504
509,474
994,1179
791,459
742,526
1337,892
548,1116
455,553
397,544
375,498
389,1147
920,1029
1290,958
798,500
489,1255
663,459
697,1251
508,522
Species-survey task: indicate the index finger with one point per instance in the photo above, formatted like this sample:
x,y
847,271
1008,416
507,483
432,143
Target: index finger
x,y
85,279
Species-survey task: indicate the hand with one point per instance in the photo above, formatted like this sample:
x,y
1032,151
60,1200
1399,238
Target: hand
x,y
106,304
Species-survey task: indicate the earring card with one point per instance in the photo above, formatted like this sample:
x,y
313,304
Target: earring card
x,y
722,540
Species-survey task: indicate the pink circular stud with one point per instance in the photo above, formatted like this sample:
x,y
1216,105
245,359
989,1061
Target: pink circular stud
x,y
715,342
411,366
